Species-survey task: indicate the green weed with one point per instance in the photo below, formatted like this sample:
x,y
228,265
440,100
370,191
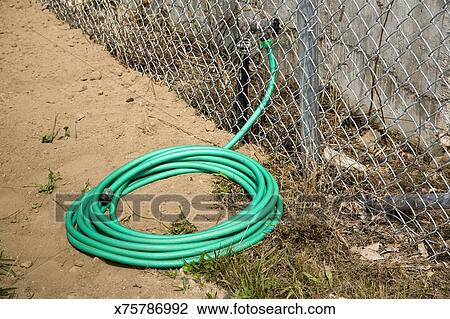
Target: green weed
x,y
171,273
50,136
182,226
6,269
184,285
86,187
49,187
66,131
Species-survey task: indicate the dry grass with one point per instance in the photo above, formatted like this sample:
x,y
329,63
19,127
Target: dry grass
x,y
312,255
308,260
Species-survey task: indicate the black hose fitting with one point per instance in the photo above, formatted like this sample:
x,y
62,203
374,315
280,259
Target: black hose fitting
x,y
266,28
106,197
243,101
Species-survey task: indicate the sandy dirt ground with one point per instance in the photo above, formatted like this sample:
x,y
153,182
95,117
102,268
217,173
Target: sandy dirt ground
x,y
114,114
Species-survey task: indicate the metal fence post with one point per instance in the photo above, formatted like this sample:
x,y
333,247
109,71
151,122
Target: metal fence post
x,y
307,77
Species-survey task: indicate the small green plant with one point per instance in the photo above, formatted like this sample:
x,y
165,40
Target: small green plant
x,y
205,267
86,187
7,293
223,184
66,131
6,265
211,295
310,277
6,269
49,187
51,135
182,226
171,273
329,276
184,285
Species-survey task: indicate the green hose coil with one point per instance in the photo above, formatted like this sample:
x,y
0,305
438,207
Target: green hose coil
x,y
93,232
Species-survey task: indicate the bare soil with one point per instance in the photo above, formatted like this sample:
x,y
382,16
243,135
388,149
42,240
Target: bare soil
x,y
114,114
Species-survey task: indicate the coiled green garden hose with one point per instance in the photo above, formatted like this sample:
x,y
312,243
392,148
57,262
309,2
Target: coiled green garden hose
x,y
93,232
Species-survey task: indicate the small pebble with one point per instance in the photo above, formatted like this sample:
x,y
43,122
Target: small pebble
x,y
95,76
134,78
210,126
74,269
26,264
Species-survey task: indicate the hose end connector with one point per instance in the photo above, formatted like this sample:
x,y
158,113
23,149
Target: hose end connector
x,y
106,197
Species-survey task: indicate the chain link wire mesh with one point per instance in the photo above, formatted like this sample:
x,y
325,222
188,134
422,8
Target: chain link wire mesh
x,y
362,99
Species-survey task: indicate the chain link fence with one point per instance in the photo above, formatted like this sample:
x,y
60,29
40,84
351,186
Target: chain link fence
x,y
362,99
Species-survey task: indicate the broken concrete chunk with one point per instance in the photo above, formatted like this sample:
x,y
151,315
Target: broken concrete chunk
x,y
444,139
341,160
